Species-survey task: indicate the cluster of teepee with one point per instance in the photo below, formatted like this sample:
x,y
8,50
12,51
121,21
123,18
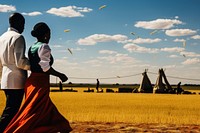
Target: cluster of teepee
x,y
159,87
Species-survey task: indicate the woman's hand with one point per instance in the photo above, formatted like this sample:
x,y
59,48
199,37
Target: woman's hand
x,y
63,77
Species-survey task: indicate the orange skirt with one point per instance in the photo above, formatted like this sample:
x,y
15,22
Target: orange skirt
x,y
38,114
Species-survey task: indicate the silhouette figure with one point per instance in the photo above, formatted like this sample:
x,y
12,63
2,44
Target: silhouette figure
x,y
179,89
97,86
60,86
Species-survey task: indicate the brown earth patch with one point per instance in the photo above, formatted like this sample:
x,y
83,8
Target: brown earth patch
x,y
107,127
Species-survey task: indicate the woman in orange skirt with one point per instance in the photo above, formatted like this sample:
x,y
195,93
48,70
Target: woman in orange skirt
x,y
38,114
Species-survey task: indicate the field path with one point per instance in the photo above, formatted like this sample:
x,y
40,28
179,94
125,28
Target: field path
x,y
107,127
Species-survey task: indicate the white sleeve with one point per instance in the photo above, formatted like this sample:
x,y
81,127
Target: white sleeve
x,y
44,53
19,54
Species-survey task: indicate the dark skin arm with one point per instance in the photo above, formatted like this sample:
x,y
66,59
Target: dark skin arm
x,y
53,72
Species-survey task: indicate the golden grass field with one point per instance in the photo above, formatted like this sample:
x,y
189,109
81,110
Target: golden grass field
x,y
126,107
127,112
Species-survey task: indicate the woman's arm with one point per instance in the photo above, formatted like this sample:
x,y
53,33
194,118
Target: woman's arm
x,y
62,76
45,53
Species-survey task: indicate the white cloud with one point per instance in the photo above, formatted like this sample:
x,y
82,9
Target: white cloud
x,y
94,62
107,52
196,37
176,17
158,24
93,39
191,61
118,58
169,66
173,56
62,63
32,13
7,8
190,54
84,9
56,46
131,47
180,32
179,40
142,40
135,48
174,49
78,49
69,11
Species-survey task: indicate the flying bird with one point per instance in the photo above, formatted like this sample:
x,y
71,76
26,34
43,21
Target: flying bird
x,y
153,32
68,30
184,43
101,7
70,51
132,33
184,55
118,76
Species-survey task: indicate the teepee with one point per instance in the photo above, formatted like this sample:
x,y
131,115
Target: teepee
x,y
160,87
145,86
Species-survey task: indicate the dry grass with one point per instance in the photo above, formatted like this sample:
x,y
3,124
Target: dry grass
x,y
133,108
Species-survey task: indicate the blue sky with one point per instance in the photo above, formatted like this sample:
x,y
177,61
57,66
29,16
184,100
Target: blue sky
x,y
117,43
